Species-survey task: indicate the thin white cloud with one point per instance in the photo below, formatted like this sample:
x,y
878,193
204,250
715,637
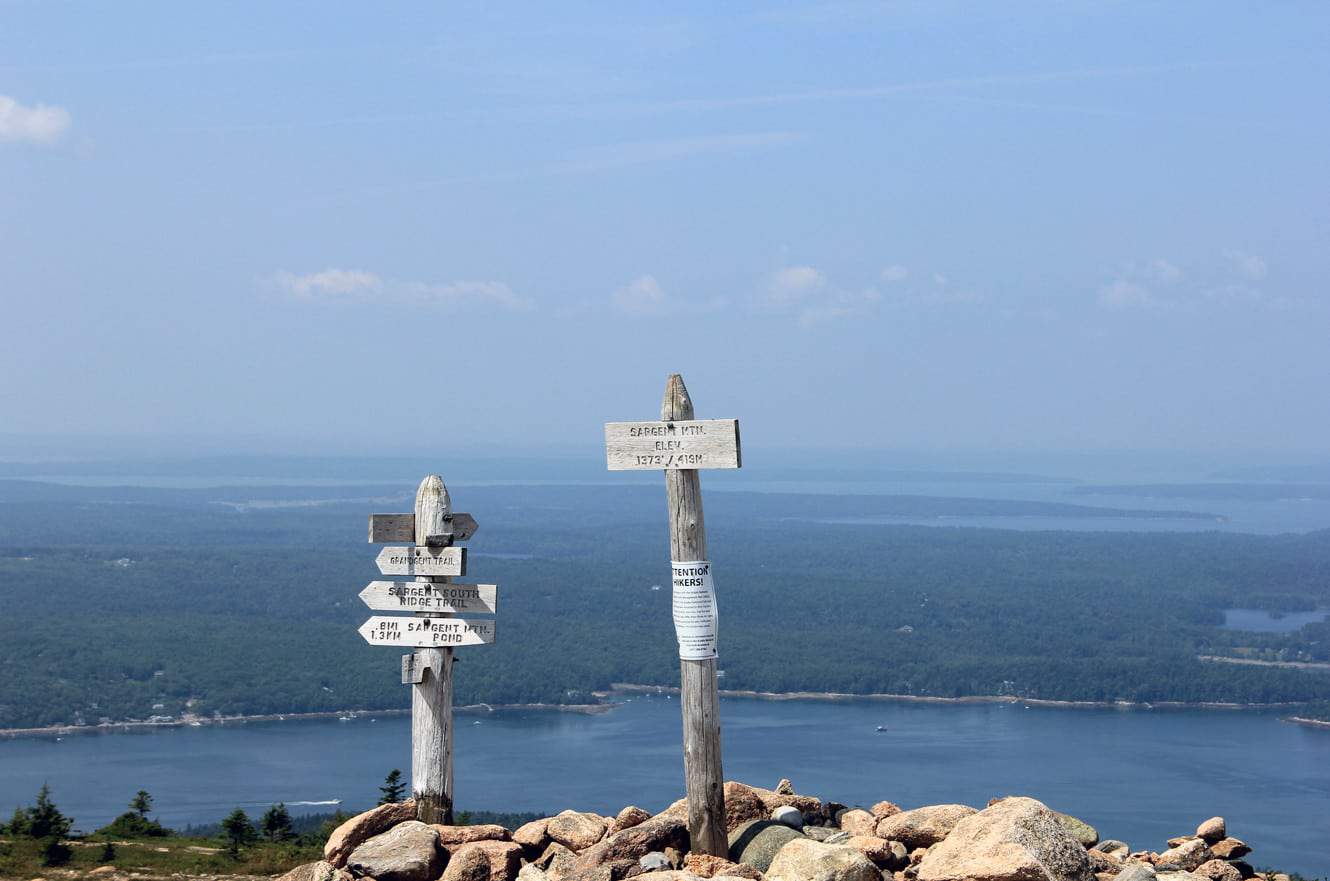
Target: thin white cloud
x,y
669,149
641,296
807,293
329,283
1247,265
38,124
645,295
1124,294
462,293
1161,270
358,285
794,284
894,273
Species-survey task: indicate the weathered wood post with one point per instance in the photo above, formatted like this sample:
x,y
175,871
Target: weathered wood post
x,y
698,694
680,445
432,697
432,632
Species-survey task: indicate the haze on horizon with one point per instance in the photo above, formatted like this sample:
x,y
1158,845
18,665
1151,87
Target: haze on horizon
x,y
910,225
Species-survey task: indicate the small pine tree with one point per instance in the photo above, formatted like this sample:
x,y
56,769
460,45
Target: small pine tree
x,y
142,803
276,823
18,824
239,830
45,819
393,788
108,852
55,852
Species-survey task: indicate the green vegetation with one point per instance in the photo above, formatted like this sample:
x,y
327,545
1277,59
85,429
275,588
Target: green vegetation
x,y
135,822
393,788
243,601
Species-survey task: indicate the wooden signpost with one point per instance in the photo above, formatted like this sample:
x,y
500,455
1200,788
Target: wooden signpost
x,y
432,632
680,445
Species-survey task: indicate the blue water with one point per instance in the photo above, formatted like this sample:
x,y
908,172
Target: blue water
x,y
1261,621
1141,776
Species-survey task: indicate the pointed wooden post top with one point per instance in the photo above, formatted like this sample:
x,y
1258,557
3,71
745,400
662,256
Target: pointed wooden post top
x,y
676,406
433,509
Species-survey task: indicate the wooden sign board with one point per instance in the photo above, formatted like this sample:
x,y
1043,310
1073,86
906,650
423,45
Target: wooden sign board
x,y
426,632
430,596
683,445
450,561
413,672
389,528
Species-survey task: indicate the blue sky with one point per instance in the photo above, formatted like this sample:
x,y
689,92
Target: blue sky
x,y
895,225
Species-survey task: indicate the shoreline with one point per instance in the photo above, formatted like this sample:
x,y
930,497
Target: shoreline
x,y
125,727
836,696
623,688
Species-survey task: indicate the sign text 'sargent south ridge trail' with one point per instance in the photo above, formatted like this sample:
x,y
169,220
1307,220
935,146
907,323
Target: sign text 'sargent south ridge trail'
x,y
652,446
430,596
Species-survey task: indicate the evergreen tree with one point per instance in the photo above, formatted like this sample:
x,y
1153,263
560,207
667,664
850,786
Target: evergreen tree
x,y
393,788
108,852
55,852
18,824
45,819
239,830
142,803
276,823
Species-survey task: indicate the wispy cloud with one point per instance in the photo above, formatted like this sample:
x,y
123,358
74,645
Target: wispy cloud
x,y
806,292
645,296
670,149
885,90
38,124
329,283
357,285
1248,265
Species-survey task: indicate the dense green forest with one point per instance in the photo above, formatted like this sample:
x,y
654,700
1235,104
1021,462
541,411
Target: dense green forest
x,y
128,603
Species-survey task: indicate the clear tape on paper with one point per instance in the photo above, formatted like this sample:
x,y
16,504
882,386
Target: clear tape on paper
x,y
694,609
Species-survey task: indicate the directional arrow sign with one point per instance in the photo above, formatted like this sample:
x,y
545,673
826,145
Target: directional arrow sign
x,y
426,596
684,444
422,561
402,527
426,632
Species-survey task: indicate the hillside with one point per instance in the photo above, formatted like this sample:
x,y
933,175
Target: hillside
x,y
130,603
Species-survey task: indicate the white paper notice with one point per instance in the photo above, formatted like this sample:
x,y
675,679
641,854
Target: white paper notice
x,y
694,609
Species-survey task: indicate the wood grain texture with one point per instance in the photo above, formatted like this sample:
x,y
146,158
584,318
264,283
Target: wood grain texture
x,y
699,698
672,444
397,528
432,698
439,561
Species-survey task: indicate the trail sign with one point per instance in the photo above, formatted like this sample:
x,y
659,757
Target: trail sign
x,y
426,632
419,560
679,445
430,596
393,528
676,444
427,551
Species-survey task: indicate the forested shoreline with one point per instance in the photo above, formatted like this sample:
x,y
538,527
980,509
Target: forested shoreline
x,y
130,604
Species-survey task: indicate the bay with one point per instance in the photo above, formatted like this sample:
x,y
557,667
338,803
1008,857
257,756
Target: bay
x,y
1141,776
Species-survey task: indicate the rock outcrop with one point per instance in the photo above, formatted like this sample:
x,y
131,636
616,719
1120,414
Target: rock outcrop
x,y
1017,839
408,851
808,860
362,827
922,827
774,835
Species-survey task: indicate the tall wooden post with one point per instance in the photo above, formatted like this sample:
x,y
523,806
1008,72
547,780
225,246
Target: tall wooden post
x,y
699,698
432,697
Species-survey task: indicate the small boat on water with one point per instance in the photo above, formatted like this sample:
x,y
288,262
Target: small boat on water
x,y
881,728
